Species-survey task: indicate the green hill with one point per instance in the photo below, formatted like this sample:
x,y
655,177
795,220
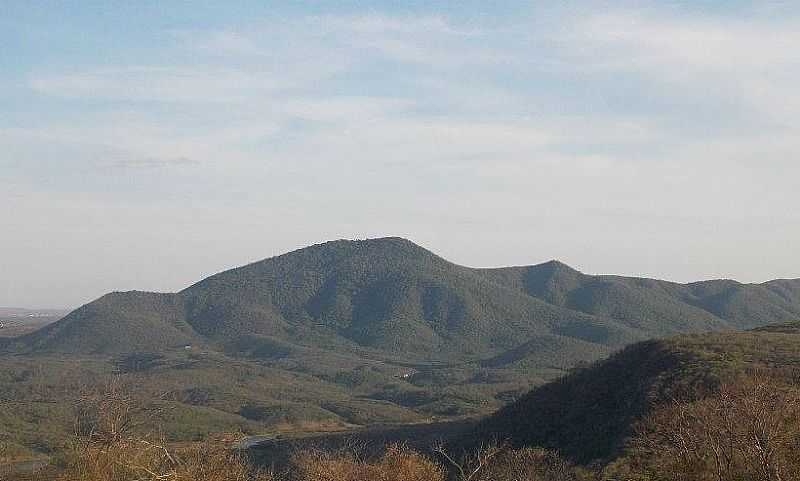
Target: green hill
x,y
391,297
118,322
386,296
654,306
588,415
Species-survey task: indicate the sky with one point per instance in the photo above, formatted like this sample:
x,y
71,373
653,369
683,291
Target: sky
x,y
145,145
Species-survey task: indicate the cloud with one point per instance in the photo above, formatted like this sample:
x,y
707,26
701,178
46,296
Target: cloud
x,y
608,108
159,84
385,24
148,163
225,43
621,139
744,63
699,44
427,86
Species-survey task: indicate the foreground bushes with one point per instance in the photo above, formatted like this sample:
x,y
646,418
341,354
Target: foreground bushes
x,y
114,443
531,464
141,460
396,464
747,431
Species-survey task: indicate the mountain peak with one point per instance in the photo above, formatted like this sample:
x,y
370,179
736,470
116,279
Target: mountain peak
x,y
555,264
369,243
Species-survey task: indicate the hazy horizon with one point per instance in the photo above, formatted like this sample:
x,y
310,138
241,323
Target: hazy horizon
x,y
147,146
190,282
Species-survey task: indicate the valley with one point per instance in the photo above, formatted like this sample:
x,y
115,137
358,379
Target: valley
x,y
15,322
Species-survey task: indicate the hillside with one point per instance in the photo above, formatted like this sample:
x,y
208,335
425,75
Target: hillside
x,y
393,298
358,333
330,337
588,414
117,322
657,307
386,296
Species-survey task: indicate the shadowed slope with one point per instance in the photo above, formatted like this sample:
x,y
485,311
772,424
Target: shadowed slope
x,y
589,414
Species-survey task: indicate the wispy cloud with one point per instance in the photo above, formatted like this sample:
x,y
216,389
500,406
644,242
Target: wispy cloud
x,y
659,41
744,63
386,25
459,89
160,84
223,43
148,163
533,126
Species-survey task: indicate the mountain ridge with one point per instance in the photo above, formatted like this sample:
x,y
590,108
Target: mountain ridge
x,y
390,295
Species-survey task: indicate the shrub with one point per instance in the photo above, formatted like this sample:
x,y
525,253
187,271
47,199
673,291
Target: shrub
x,y
111,446
529,464
749,430
398,463
142,460
498,463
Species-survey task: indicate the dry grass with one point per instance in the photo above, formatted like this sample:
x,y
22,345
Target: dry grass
x,y
115,442
142,460
398,463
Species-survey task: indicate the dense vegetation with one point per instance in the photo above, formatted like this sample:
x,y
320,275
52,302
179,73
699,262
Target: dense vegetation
x,y
743,429
386,296
654,306
591,414
722,406
115,440
392,297
357,333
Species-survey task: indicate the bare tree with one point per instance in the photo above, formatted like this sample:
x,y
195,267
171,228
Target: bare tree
x,y
747,430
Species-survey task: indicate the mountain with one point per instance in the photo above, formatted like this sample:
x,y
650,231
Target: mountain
x,y
654,306
393,298
589,414
384,295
